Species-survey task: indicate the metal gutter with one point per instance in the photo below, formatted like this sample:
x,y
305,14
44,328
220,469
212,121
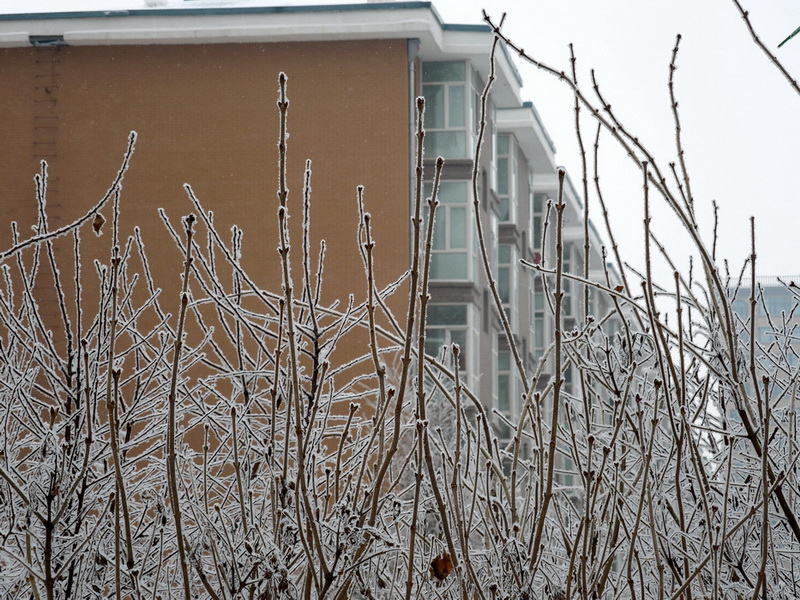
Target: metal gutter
x,y
223,10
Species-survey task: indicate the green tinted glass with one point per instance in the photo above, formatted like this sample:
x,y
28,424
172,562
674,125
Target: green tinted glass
x,y
447,314
502,176
502,144
503,361
458,227
449,265
453,192
456,101
504,284
434,106
445,70
503,395
447,144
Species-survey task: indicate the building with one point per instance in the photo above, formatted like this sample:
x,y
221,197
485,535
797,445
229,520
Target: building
x,y
775,321
197,82
775,313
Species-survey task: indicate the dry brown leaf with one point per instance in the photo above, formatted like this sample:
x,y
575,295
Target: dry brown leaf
x,y
97,224
441,566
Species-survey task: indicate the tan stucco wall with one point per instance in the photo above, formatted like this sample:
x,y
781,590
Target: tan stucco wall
x,y
207,115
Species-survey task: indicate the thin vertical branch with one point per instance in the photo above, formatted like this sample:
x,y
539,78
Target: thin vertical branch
x,y
678,130
476,203
558,382
172,460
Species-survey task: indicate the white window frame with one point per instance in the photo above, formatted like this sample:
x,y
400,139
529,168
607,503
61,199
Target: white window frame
x,y
443,235
504,368
466,332
463,124
569,309
510,304
539,322
537,214
509,195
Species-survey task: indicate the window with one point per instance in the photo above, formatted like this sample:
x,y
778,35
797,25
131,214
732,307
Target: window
x,y
506,184
505,396
779,302
612,327
506,279
453,249
537,221
568,265
453,324
566,474
740,308
449,108
539,323
568,387
594,304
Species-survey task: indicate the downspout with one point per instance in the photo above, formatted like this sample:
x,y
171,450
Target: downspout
x,y
413,53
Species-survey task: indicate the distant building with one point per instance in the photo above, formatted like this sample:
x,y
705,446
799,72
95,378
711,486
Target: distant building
x,y
777,348
777,318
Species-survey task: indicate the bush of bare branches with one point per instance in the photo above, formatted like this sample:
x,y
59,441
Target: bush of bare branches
x,y
215,445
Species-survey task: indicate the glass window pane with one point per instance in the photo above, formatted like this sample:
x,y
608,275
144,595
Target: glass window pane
x,y
434,106
503,432
447,314
447,144
538,203
456,102
449,265
458,227
439,229
503,209
504,254
502,176
503,395
434,340
445,70
459,336
504,284
502,144
503,361
476,111
453,192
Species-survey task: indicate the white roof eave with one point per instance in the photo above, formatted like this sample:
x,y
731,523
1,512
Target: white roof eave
x,y
11,39
530,134
227,28
438,41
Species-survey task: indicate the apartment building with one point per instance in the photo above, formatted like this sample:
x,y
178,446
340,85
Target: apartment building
x,y
775,319
198,84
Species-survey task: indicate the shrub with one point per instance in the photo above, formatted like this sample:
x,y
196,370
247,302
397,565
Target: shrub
x,y
217,453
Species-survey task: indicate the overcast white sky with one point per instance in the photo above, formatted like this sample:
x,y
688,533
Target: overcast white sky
x,y
741,121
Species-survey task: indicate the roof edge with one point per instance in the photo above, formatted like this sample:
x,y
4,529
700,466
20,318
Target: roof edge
x,y
232,10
